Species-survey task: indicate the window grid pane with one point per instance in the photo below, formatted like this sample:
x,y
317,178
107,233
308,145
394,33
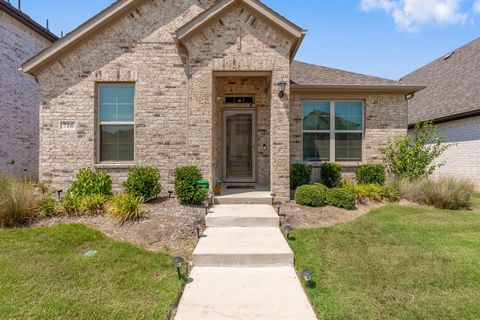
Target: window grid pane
x,y
116,143
116,103
316,146
348,147
349,116
316,116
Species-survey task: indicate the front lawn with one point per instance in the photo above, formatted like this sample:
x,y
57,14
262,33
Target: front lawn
x,y
400,262
45,275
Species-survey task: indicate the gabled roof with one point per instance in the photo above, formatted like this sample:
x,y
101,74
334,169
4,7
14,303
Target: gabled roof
x,y
258,7
26,20
305,76
86,29
453,86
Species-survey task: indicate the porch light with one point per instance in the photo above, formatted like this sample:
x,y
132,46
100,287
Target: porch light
x,y
307,275
282,86
177,261
288,230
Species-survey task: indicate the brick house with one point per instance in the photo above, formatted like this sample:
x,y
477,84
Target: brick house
x,y
167,83
452,101
20,39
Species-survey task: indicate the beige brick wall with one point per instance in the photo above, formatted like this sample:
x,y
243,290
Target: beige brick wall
x,y
462,159
385,119
19,98
174,90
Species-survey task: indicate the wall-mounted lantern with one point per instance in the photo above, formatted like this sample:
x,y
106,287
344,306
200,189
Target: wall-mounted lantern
x,y
282,86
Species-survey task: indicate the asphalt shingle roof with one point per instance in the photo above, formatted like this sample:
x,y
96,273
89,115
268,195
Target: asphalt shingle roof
x,y
312,75
453,85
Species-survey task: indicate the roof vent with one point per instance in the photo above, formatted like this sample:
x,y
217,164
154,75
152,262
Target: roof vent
x,y
448,55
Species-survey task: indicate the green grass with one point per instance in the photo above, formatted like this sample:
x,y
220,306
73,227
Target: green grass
x,y
45,275
397,262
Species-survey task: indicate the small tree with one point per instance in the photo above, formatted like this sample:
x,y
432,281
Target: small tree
x,y
413,158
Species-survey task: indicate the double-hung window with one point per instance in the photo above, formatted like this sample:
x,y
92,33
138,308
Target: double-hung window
x,y
332,130
116,120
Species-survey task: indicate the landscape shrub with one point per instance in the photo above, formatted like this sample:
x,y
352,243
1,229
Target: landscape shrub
x,y
18,201
331,174
89,182
47,207
90,204
373,192
186,188
442,192
125,207
143,182
341,198
414,157
300,174
447,192
371,174
312,195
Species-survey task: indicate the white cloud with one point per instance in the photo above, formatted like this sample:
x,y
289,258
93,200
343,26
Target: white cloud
x,y
476,6
410,14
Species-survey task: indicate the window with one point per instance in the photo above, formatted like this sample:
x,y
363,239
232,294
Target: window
x,y
332,130
116,118
239,100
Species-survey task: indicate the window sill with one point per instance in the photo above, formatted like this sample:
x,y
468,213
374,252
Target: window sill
x,y
114,165
346,164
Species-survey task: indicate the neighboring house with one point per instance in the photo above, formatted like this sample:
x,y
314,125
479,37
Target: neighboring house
x,y
452,100
167,83
20,39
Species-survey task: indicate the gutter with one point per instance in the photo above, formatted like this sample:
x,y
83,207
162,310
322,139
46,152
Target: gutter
x,y
453,117
405,89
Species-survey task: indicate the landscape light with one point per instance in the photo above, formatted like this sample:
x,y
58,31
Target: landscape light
x,y
177,261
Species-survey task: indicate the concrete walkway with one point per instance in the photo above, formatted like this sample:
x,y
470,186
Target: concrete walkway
x,y
243,269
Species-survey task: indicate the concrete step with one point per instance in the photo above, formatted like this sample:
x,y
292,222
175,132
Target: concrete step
x,y
242,247
234,215
244,196
244,294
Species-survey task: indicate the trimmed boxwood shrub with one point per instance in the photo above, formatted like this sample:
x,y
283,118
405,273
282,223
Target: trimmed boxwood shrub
x,y
300,174
331,174
341,198
370,174
312,195
143,182
186,187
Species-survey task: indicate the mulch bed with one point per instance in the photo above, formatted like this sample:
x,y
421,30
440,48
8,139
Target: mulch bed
x,y
168,227
307,217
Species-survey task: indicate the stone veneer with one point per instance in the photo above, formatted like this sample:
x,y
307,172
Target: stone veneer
x,y
19,98
385,119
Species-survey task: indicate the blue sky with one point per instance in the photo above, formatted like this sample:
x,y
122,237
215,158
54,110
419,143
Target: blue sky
x,y
387,38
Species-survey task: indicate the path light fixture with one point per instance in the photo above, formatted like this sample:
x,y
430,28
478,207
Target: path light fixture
x,y
279,207
282,86
288,230
206,205
273,195
177,261
307,275
198,227
170,192
59,192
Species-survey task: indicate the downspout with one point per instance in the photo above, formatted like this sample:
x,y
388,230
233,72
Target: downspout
x,y
187,142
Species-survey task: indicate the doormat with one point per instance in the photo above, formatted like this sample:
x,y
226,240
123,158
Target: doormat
x,y
241,187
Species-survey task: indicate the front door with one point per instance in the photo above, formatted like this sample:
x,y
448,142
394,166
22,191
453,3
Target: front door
x,y
239,146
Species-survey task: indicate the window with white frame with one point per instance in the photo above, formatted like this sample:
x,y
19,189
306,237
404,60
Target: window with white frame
x,y
332,130
116,122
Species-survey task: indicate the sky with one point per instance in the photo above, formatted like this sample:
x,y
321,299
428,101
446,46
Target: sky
x,y
386,38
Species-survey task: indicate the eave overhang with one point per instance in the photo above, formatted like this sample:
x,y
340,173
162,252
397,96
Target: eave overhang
x,y
400,89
